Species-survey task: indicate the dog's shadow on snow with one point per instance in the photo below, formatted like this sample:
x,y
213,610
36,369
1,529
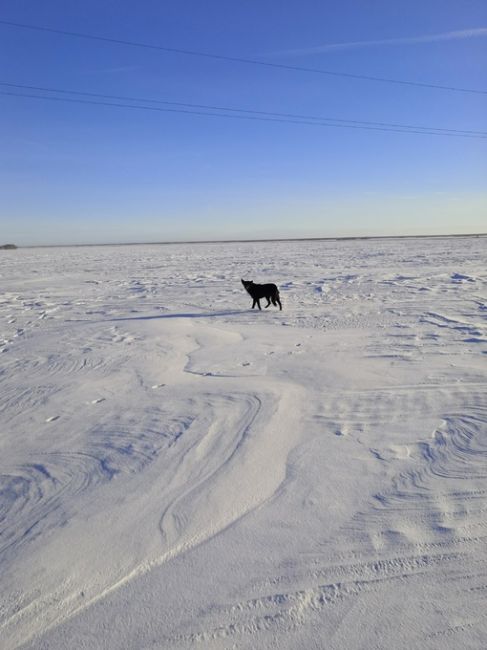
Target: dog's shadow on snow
x,y
211,314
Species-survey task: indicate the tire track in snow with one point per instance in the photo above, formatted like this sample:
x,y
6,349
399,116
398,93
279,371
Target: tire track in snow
x,y
285,611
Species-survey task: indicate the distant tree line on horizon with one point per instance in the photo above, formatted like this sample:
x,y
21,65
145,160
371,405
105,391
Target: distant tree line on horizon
x,y
8,247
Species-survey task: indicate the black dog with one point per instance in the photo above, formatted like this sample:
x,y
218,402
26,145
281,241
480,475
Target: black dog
x,y
258,291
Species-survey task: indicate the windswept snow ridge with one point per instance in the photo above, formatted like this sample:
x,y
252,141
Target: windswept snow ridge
x,y
177,470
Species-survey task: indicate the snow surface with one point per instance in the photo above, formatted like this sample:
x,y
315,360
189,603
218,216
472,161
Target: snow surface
x,y
179,471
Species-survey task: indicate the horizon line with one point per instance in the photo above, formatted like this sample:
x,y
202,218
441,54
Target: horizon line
x,y
253,240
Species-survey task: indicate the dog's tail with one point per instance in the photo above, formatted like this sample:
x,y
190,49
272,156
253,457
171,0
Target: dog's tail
x,y
276,299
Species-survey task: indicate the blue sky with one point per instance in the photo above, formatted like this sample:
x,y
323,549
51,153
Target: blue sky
x,y
75,173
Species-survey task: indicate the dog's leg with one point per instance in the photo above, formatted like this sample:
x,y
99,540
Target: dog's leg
x,y
279,303
258,303
268,302
254,303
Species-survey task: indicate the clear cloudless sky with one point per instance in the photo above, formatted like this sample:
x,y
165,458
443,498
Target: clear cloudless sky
x,y
82,173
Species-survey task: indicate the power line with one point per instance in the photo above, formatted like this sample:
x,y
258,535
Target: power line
x,y
260,118
235,59
239,110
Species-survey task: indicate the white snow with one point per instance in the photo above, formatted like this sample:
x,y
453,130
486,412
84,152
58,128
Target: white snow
x,y
179,471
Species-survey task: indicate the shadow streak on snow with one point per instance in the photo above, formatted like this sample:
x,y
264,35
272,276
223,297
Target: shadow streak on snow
x,y
184,315
212,314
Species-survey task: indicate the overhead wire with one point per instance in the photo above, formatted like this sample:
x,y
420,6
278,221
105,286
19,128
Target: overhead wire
x,y
212,107
262,118
244,60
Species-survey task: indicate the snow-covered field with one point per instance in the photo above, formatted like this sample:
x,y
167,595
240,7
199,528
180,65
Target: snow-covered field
x,y
179,471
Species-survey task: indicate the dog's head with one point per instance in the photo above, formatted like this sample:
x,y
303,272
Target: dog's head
x,y
247,283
